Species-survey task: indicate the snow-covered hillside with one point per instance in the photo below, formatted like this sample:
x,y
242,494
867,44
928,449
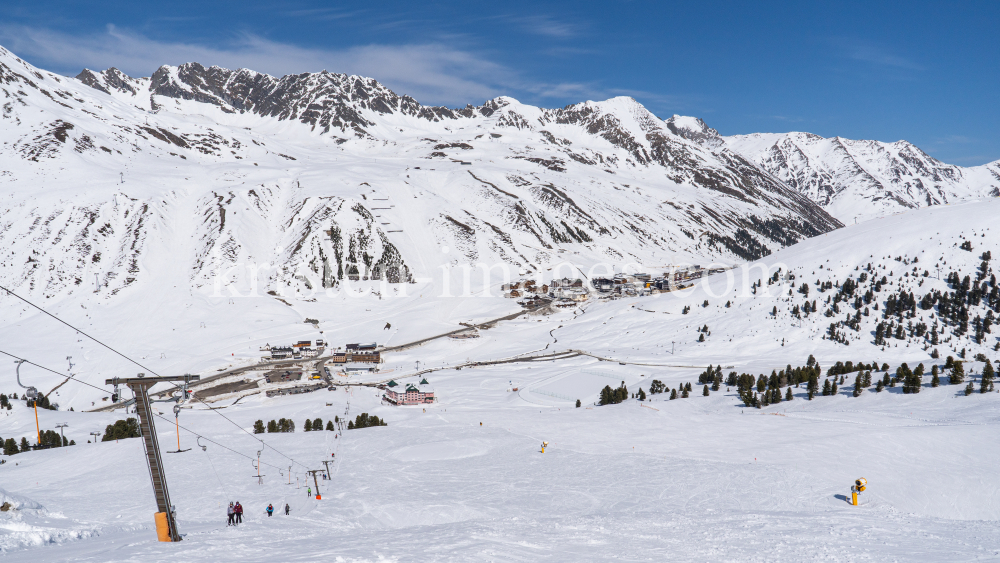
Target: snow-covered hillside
x,y
702,477
864,179
330,175
852,180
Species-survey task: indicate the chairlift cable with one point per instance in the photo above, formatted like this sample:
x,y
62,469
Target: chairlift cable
x,y
9,292
29,362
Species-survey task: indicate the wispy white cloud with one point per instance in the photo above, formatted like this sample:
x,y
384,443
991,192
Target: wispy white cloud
x,y
546,26
325,14
430,72
879,56
955,139
787,118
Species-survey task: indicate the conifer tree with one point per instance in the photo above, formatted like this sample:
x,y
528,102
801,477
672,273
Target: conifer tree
x,y
788,394
935,380
833,390
577,405
986,381
704,391
605,395
826,387
673,394
329,423
308,426
969,389
879,386
957,373
317,424
687,386
685,394
857,386
272,426
258,427
25,446
642,394
128,428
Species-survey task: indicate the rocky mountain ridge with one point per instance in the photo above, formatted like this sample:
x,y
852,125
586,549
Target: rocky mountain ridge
x,y
335,177
852,179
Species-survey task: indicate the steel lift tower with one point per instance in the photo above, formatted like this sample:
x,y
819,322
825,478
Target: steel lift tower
x,y
166,521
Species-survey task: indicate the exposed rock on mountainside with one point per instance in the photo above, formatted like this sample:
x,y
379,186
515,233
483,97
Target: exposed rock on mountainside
x,y
326,177
851,179
865,178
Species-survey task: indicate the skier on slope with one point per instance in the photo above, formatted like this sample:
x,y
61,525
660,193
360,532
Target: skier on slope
x,y
231,512
239,512
270,510
309,491
287,508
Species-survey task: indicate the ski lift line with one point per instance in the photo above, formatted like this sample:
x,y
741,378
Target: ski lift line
x,y
70,377
9,292
216,443
216,471
29,362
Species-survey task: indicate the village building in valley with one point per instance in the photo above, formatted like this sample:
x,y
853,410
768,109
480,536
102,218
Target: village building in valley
x,y
409,394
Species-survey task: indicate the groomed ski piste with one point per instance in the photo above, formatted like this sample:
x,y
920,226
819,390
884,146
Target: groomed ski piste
x,y
697,478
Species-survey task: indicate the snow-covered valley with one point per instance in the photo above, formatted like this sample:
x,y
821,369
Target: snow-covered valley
x,y
191,227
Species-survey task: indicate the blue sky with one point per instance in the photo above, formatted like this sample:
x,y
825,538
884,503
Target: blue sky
x,y
921,71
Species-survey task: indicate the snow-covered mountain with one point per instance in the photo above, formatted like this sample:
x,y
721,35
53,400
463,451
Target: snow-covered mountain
x,y
862,179
332,176
852,180
220,211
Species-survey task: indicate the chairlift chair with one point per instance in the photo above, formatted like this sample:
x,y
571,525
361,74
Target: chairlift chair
x,y
177,412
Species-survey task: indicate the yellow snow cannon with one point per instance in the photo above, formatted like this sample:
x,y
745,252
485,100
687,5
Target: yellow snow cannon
x,y
858,488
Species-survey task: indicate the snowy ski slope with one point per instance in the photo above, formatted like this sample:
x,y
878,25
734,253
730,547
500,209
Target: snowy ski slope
x,y
694,478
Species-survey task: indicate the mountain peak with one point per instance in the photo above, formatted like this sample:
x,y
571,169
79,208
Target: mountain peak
x,y
694,129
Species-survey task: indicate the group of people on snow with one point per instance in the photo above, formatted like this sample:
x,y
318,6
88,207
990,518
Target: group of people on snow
x,y
235,512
